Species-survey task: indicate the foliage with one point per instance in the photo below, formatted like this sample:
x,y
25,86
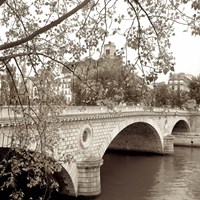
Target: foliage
x,y
99,81
191,104
161,93
35,129
19,180
106,82
134,89
195,89
8,93
178,98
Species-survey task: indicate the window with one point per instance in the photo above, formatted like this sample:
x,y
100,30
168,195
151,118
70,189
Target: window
x,y
107,51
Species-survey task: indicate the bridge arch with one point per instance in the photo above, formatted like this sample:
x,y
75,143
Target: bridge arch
x,y
180,127
138,136
66,184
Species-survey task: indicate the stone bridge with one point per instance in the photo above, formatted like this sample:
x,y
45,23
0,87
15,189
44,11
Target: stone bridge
x,y
87,132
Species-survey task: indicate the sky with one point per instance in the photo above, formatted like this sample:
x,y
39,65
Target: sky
x,y
186,49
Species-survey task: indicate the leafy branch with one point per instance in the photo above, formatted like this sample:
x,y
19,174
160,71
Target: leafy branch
x,y
44,28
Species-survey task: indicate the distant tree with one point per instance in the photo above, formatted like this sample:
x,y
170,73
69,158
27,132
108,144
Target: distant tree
x,y
4,90
178,98
8,84
191,104
135,89
161,93
98,82
194,86
107,81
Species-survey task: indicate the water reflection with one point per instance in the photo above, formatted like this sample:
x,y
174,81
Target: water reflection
x,y
175,177
131,175
148,177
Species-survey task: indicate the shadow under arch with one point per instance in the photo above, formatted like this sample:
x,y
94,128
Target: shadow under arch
x,y
180,128
65,182
137,137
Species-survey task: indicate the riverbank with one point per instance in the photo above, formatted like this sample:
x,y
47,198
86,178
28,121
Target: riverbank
x,y
187,140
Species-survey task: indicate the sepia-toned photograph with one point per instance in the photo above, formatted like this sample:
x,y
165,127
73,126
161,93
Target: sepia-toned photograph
x,y
99,99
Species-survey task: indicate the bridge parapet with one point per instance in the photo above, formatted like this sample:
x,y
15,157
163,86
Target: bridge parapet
x,y
9,112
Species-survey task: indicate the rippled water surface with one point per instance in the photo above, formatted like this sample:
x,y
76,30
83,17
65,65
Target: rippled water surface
x,y
147,177
129,177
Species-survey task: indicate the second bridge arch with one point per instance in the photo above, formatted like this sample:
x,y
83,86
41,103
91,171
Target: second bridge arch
x,y
138,137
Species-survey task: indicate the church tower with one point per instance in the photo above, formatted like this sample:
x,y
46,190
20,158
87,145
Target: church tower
x,y
110,50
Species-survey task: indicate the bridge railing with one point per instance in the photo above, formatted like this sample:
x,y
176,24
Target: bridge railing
x,y
70,110
13,111
99,109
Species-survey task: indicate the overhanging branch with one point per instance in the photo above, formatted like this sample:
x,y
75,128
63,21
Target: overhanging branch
x,y
2,1
45,28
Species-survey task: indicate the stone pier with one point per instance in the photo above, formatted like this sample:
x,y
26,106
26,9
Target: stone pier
x,y
89,183
168,144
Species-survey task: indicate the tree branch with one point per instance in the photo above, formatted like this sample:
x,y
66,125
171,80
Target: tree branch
x,y
2,1
45,28
147,15
4,58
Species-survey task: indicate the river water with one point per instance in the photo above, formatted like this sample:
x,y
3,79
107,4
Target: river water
x,y
150,177
174,177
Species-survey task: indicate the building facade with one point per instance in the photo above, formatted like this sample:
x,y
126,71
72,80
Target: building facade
x,y
179,81
64,87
